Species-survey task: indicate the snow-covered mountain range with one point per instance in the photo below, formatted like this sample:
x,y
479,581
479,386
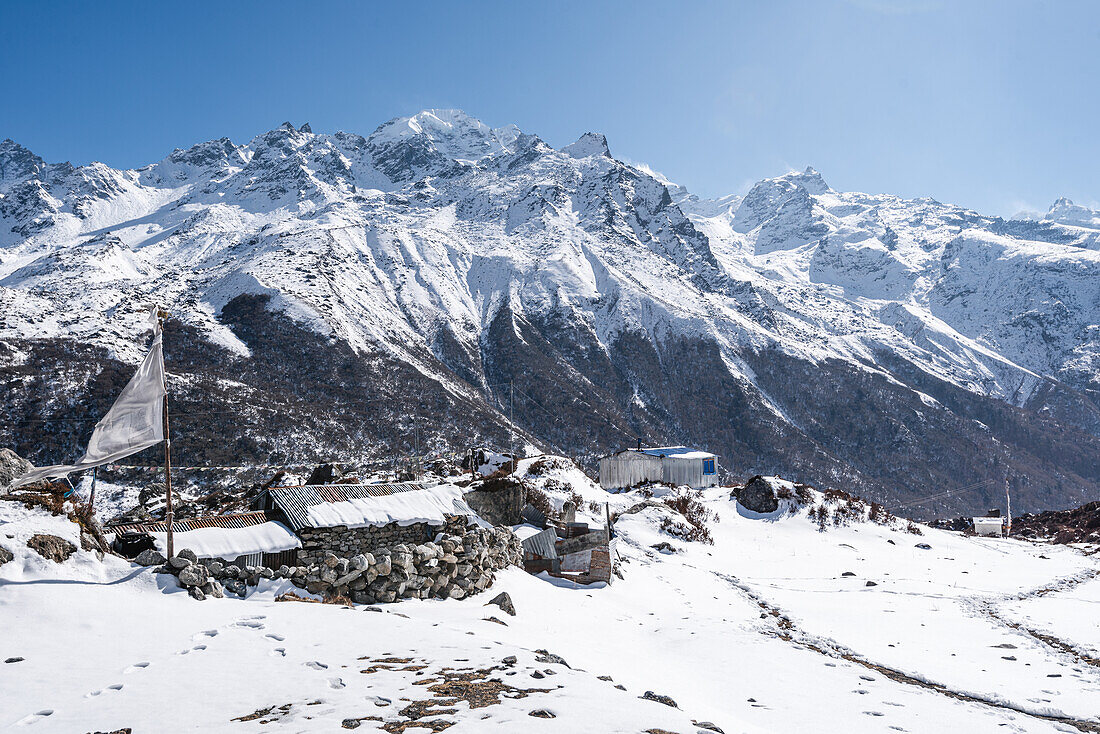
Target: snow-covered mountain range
x,y
328,290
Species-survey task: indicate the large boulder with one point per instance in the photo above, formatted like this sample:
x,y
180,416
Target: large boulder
x,y
52,547
5,555
149,557
12,466
759,495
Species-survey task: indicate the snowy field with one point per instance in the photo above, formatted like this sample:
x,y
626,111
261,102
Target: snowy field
x,y
762,631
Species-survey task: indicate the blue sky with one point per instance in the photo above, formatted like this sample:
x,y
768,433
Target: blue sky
x,y
990,105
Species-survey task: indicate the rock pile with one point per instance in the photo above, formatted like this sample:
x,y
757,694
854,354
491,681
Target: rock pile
x,y
450,567
211,577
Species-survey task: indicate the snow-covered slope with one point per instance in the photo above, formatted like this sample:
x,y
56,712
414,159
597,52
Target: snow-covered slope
x,y
775,623
442,252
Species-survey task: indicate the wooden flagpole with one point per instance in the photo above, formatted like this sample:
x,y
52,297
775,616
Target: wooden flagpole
x,y
163,316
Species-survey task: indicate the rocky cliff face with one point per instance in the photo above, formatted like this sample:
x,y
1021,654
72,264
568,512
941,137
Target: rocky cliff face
x,y
335,294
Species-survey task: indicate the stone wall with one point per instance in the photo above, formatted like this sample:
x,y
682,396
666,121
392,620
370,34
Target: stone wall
x,y
346,542
452,567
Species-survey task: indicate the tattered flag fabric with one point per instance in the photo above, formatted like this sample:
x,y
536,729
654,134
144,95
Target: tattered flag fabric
x,y
134,422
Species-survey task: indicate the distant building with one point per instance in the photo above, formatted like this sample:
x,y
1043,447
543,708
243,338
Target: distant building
x,y
675,465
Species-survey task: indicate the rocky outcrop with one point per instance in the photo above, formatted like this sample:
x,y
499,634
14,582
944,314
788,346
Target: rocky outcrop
x,y
5,555
52,547
450,567
497,500
758,495
12,466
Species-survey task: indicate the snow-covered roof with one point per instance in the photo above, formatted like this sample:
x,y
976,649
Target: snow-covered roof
x,y
319,506
679,452
221,536
228,543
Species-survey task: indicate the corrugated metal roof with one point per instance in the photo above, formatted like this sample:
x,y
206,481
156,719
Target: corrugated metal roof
x,y
542,544
238,520
296,501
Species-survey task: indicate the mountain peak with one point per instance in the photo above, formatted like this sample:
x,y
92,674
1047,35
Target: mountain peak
x,y
808,179
1065,211
589,144
451,132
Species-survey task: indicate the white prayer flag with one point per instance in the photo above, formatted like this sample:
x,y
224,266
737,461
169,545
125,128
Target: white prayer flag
x,y
134,422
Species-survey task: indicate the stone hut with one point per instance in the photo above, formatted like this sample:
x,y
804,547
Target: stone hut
x,y
351,519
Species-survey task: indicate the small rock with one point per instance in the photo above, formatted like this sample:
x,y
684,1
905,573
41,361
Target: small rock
x,y
5,555
542,656
510,660
651,696
14,660
848,573
196,593
179,562
191,576
188,554
708,726
537,674
51,547
870,583
149,557
541,714
923,546
504,601
351,723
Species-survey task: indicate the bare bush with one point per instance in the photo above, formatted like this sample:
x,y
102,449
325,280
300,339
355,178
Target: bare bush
x,y
696,515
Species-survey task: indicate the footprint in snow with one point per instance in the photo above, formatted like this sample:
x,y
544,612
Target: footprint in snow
x,y
273,636
205,633
336,683
279,651
199,647
32,718
316,665
136,667
248,623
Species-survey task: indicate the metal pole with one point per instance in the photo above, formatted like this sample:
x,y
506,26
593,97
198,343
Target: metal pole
x,y
1008,508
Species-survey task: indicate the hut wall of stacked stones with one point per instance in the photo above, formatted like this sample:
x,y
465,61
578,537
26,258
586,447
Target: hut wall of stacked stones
x,y
346,542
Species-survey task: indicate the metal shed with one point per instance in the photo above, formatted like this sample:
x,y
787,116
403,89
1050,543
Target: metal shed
x,y
675,465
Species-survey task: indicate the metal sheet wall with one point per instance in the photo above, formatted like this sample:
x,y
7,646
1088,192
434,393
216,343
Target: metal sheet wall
x,y
631,467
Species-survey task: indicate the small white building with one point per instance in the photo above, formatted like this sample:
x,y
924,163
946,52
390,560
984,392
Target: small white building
x,y
989,526
675,465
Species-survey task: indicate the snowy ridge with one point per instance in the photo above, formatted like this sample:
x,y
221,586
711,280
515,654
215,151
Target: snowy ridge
x,y
418,241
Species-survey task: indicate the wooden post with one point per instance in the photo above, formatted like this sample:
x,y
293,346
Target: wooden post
x,y
1008,508
91,497
512,421
168,516
607,519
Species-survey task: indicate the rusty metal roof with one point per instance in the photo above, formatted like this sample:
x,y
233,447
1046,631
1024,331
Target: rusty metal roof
x,y
238,520
295,501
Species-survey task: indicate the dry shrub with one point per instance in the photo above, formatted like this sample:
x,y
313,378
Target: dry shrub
x,y
291,596
541,502
913,528
339,600
696,515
